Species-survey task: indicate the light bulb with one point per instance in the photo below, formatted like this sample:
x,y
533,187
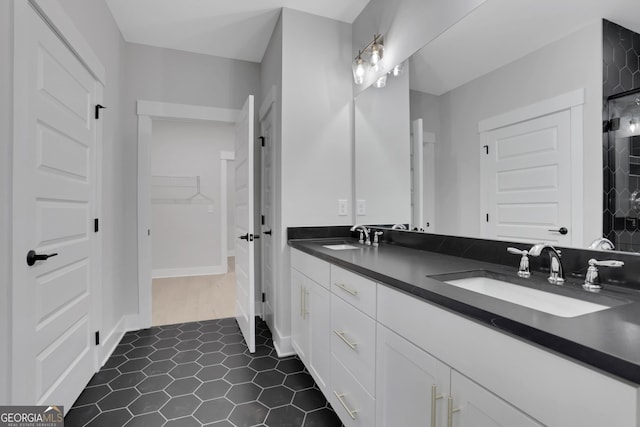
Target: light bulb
x,y
381,82
359,70
633,125
397,70
377,51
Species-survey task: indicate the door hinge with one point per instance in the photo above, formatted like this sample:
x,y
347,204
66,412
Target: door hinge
x,y
261,138
262,219
486,149
96,225
264,297
98,108
487,217
97,337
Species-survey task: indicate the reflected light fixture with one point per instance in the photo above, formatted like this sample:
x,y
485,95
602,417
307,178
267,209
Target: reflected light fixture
x,y
397,70
359,69
375,51
633,125
381,82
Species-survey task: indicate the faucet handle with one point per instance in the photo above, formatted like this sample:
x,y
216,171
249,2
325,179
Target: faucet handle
x,y
517,251
361,239
376,241
523,269
592,278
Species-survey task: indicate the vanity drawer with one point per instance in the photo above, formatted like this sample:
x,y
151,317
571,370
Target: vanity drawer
x,y
353,341
352,403
355,289
312,267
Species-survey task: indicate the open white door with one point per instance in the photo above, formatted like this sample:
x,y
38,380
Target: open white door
x,y
245,242
417,178
54,203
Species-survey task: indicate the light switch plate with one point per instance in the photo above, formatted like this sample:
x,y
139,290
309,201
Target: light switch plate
x,y
342,207
361,207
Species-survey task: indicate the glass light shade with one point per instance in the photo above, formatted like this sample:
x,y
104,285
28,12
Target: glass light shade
x,y
377,51
381,82
397,70
359,70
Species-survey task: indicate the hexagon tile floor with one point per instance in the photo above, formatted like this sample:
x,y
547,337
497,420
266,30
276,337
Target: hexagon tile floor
x,y
200,374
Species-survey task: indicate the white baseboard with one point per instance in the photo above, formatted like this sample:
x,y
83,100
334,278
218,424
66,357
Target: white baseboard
x,y
282,344
112,339
162,273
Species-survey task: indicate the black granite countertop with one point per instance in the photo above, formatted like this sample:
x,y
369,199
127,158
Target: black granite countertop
x,y
608,340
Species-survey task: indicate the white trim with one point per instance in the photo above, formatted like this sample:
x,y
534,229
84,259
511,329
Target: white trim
x,y
577,176
542,108
148,110
163,273
164,110
55,15
282,344
225,157
110,342
428,138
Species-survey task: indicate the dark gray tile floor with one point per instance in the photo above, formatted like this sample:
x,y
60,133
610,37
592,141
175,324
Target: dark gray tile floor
x,y
200,373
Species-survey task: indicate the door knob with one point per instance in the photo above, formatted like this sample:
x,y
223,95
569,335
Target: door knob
x,y
245,237
561,230
32,257
268,233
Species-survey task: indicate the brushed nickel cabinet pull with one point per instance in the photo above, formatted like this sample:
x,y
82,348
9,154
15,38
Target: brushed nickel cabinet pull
x,y
345,339
347,290
351,413
434,397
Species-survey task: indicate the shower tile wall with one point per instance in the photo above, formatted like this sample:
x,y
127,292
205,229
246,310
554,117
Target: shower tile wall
x,y
621,73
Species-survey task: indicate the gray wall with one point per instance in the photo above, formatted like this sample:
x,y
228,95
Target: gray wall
x,y
566,65
166,75
6,137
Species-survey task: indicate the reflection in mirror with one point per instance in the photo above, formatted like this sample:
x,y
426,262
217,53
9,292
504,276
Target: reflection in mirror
x,y
510,101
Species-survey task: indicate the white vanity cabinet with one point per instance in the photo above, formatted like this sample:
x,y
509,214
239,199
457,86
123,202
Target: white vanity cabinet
x,y
416,389
310,317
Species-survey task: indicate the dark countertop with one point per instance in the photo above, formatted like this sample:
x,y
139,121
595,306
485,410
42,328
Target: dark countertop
x,y
608,340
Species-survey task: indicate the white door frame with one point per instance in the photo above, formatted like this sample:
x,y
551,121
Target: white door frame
x,y
54,15
147,112
574,102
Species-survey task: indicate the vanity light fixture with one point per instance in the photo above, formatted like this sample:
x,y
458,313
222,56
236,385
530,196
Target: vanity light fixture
x,y
633,125
397,70
360,66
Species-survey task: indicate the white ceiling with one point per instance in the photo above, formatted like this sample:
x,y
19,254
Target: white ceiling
x,y
501,31
238,29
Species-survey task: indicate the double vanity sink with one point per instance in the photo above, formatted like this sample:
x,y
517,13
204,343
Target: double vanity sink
x,y
533,293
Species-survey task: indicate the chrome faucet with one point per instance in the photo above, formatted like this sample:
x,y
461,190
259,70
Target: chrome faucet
x,y
364,232
523,269
556,275
376,240
602,244
591,279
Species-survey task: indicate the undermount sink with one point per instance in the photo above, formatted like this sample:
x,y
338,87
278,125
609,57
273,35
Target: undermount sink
x,y
559,305
340,247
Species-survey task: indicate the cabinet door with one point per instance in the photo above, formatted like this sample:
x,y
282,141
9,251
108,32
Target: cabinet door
x,y
299,324
474,406
411,385
320,325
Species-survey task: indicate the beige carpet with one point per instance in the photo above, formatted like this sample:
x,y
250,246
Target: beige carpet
x,y
189,299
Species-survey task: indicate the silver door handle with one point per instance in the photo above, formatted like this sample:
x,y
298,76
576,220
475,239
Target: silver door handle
x,y
347,290
345,339
351,413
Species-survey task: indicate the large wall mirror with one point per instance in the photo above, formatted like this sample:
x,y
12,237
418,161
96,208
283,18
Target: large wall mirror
x,y
495,128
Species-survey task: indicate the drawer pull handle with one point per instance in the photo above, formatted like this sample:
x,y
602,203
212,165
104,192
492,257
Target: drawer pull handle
x,y
450,411
306,311
351,413
434,397
301,302
347,290
345,339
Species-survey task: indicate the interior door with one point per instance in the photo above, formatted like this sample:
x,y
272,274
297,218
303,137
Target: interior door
x,y
417,176
267,126
245,242
54,188
526,181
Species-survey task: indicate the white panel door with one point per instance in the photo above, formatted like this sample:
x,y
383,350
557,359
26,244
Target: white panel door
x,y
54,187
417,176
267,125
411,385
526,181
245,249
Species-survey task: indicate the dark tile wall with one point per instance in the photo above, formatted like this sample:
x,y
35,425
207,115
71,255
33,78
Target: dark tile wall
x,y
620,73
